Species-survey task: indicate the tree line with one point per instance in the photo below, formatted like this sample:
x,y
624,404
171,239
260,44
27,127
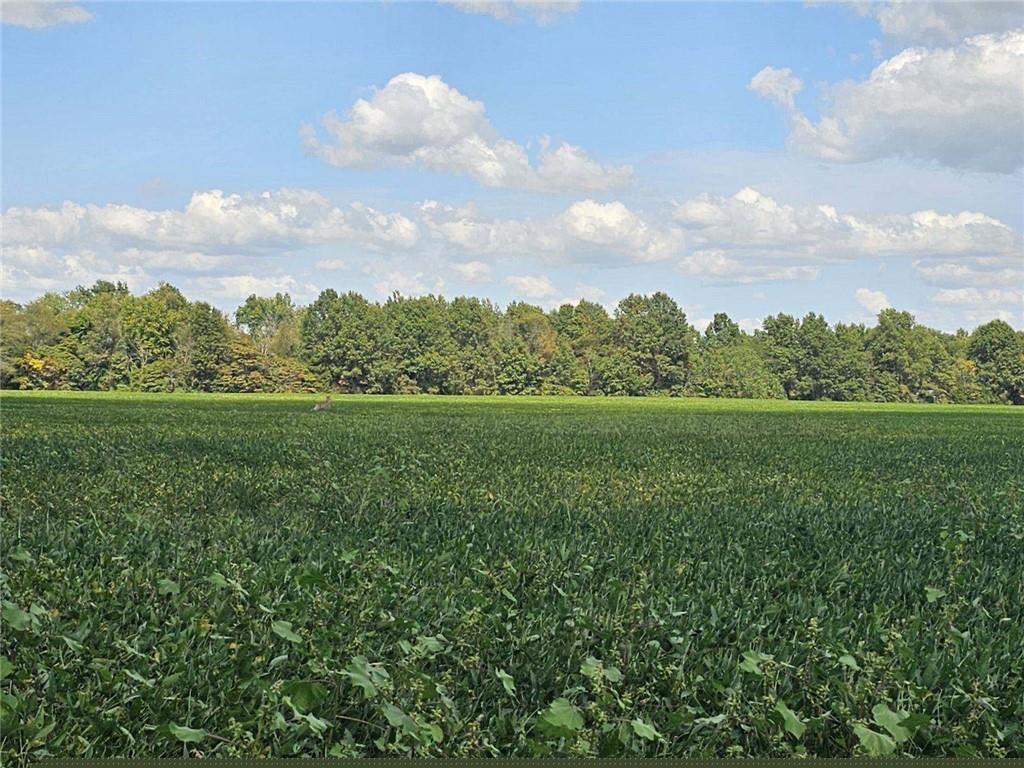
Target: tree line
x,y
105,338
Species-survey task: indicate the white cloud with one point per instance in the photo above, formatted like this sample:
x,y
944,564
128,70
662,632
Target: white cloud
x,y
237,287
531,286
873,301
212,220
778,85
585,230
408,284
39,14
922,21
472,271
716,267
173,261
542,12
589,292
962,106
973,297
750,221
751,237
416,120
745,238
580,292
207,235
977,306
980,273
615,225
28,271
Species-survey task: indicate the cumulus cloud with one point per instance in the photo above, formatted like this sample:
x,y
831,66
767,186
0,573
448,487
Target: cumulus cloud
x,y
717,267
472,271
53,248
973,297
408,284
752,221
212,220
614,225
778,85
745,238
585,230
752,237
873,301
416,120
980,273
531,286
582,291
40,14
542,12
237,287
961,105
979,305
931,23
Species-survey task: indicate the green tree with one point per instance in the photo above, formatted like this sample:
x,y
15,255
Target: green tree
x,y
202,345
271,323
998,352
782,349
339,334
654,331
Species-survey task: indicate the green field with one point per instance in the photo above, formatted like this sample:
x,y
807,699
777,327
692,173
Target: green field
x,y
236,575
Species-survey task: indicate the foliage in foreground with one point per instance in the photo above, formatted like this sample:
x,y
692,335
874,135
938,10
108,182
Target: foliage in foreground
x,y
104,338
227,576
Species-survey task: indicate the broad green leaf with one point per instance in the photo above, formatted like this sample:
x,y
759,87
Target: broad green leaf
x,y
8,703
284,629
506,681
915,721
305,695
645,731
430,644
561,719
890,720
167,587
316,725
217,579
933,593
5,667
848,661
874,743
752,661
277,661
399,719
612,674
367,676
790,719
21,555
73,644
17,618
434,732
188,735
591,668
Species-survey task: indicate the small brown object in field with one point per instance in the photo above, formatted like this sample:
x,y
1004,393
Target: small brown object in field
x,y
324,405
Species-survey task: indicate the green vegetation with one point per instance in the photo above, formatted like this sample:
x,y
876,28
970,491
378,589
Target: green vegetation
x,y
236,575
104,338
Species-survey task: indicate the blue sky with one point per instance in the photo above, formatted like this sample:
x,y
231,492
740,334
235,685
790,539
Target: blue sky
x,y
745,157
